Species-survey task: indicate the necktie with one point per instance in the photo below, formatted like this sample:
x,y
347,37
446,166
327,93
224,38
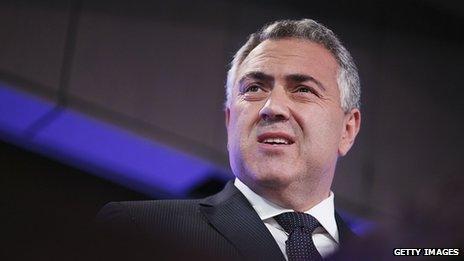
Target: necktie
x,y
300,226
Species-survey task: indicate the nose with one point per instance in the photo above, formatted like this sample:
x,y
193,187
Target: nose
x,y
276,107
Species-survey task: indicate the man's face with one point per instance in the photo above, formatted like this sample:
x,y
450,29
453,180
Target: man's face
x,y
285,124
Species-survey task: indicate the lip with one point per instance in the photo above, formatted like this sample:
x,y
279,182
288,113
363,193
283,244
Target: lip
x,y
269,135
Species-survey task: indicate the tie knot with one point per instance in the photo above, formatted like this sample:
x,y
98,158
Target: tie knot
x,y
291,220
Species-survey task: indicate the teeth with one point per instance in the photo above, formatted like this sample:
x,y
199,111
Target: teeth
x,y
276,141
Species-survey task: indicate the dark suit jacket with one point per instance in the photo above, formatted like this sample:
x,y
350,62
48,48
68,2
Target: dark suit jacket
x,y
220,227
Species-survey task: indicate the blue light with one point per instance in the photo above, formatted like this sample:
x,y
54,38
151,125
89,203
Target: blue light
x,y
101,148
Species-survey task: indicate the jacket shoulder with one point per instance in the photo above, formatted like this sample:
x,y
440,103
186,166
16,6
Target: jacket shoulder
x,y
152,226
142,211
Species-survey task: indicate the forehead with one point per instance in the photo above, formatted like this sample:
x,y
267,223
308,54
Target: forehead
x,y
290,56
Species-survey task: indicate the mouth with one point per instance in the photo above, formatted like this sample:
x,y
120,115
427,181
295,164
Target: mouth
x,y
276,139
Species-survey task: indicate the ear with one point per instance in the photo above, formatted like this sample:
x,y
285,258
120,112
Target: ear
x,y
351,126
227,116
227,120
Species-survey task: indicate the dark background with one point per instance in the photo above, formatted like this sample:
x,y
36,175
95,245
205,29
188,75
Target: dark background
x,y
158,69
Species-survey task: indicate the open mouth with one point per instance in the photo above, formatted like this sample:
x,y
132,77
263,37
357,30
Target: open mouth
x,y
275,139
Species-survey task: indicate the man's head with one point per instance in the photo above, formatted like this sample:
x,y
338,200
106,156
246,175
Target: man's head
x,y
292,109
307,29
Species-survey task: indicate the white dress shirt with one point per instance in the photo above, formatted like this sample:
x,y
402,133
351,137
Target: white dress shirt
x,y
325,237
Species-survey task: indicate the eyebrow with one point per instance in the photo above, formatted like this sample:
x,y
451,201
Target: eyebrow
x,y
304,78
260,76
297,77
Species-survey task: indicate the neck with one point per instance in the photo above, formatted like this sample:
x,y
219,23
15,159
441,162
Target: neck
x,y
299,196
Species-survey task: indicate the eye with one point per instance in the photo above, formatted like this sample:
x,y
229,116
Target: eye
x,y
305,89
252,88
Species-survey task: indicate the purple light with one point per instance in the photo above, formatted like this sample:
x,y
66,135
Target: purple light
x,y
100,148
16,115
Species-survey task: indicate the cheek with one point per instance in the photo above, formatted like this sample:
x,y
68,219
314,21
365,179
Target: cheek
x,y
334,134
242,119
322,132
236,128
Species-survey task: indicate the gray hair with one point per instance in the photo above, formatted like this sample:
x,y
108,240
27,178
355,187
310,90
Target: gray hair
x,y
347,78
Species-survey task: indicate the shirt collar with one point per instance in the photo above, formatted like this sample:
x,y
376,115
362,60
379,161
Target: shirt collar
x,y
324,211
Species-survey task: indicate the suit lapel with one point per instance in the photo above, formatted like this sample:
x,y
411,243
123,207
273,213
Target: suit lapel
x,y
232,215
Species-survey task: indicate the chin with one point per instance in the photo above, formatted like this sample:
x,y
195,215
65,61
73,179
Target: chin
x,y
272,176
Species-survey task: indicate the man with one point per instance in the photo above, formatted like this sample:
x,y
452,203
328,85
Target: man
x,y
292,109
